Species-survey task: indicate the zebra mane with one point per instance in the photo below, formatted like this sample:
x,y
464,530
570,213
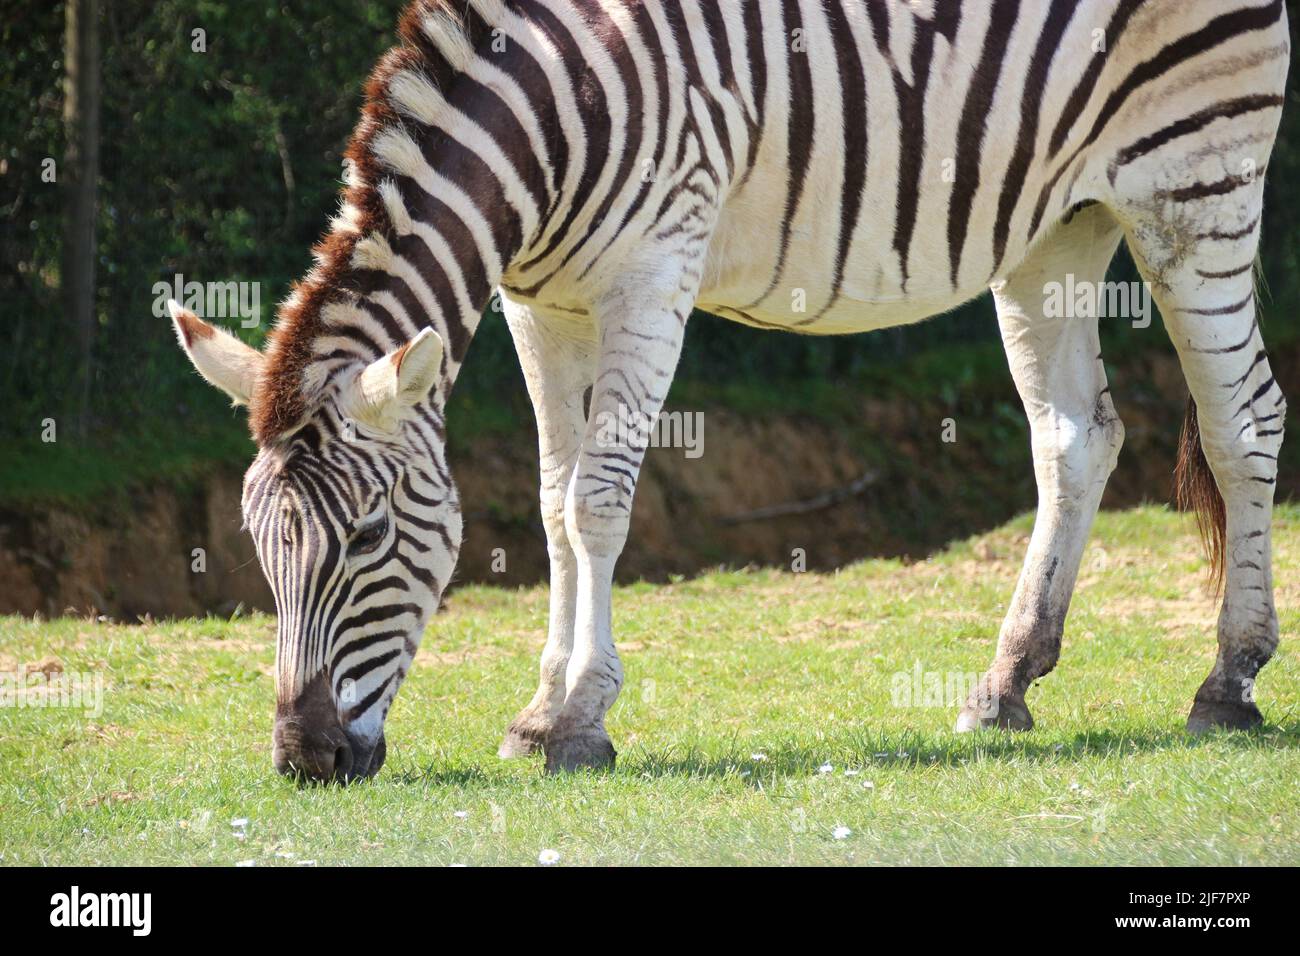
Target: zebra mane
x,y
437,40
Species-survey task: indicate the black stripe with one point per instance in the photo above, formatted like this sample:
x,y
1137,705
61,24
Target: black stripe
x,y
1058,19
1215,33
1228,274
440,217
853,104
618,51
971,129
1236,347
592,105
799,135
370,700
757,57
375,615
1224,309
649,35
911,117
1190,124
1082,92
1208,190
360,670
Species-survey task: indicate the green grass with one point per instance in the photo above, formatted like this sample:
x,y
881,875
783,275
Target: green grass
x,y
740,686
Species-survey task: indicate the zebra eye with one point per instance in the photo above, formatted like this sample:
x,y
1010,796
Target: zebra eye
x,y
368,538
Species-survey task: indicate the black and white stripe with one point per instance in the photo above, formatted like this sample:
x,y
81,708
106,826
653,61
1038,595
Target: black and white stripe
x,y
823,166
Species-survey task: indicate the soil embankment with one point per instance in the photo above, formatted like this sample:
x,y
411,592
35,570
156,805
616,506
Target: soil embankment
x,y
173,552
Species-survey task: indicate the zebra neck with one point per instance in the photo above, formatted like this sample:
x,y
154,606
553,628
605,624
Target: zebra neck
x,y
455,210
444,189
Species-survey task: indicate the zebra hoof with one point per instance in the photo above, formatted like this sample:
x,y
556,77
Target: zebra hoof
x,y
589,749
522,739
1002,714
1210,715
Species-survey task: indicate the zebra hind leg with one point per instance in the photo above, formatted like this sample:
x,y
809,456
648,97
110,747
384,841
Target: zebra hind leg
x,y
1197,249
1075,435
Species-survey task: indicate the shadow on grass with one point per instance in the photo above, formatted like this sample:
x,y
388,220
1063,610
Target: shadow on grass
x,y
432,775
861,750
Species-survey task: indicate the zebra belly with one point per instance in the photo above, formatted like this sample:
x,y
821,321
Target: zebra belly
x,y
845,317
739,285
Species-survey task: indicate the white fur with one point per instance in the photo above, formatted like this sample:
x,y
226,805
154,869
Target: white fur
x,y
383,389
373,252
448,36
610,315
222,359
395,207
416,96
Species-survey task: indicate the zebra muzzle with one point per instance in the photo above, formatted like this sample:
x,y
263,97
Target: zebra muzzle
x,y
311,744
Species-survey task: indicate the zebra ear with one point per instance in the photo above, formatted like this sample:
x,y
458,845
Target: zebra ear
x,y
397,381
222,359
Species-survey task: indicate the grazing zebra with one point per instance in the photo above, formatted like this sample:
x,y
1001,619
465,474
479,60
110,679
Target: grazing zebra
x,y
820,166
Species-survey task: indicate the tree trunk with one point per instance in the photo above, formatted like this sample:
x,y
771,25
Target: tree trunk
x,y
80,180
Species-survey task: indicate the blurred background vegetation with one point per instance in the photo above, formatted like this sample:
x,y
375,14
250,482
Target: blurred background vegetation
x,y
224,165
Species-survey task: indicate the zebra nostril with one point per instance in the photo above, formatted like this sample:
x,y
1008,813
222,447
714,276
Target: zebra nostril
x,y
343,762
317,755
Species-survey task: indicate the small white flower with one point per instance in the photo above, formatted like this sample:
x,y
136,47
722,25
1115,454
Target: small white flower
x,y
868,785
239,822
457,866
841,832
850,773
246,863
548,858
826,768
1074,785
305,863
461,814
758,757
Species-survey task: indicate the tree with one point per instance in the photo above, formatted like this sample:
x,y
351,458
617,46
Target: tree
x,y
80,178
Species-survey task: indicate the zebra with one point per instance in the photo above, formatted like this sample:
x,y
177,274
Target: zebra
x,y
598,169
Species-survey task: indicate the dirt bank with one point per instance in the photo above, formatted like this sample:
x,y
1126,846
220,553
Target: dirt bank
x,y
921,492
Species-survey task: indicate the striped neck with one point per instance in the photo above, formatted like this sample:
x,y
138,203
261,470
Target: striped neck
x,y
443,191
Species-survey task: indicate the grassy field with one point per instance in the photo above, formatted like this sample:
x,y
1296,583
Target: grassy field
x,y
763,721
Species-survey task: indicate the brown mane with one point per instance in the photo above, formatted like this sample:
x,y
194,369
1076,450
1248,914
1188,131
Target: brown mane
x,y
281,401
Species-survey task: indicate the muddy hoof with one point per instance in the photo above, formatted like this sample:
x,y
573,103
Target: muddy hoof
x,y
1208,715
524,737
1006,714
587,748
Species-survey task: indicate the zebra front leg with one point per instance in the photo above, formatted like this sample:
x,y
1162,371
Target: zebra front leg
x,y
558,364
637,358
1076,437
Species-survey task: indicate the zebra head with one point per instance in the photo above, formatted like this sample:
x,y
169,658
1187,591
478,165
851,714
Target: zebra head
x,y
357,526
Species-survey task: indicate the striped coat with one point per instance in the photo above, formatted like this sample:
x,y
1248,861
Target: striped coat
x,y
598,168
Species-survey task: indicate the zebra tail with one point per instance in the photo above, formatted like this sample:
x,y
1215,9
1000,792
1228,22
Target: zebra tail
x,y
1195,490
